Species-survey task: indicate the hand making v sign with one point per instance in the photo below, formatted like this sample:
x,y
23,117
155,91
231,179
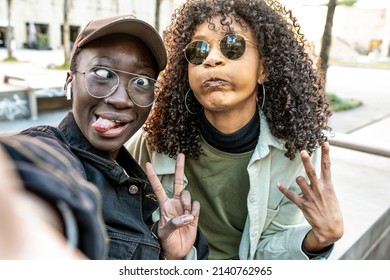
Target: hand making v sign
x,y
178,216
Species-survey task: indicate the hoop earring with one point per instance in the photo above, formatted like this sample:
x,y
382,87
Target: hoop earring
x,y
263,101
188,109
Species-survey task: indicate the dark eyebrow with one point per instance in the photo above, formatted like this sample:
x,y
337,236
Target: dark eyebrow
x,y
144,69
102,60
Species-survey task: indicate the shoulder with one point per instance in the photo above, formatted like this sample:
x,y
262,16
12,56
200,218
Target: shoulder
x,y
41,149
140,150
137,141
44,132
267,141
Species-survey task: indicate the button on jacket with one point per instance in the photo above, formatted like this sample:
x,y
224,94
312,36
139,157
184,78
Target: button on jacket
x,y
127,198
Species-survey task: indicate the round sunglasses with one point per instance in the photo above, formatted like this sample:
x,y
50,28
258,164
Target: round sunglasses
x,y
232,46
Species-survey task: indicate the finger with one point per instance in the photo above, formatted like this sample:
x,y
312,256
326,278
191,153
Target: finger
x,y
310,171
156,184
185,198
195,210
308,165
325,163
289,194
304,186
178,222
179,175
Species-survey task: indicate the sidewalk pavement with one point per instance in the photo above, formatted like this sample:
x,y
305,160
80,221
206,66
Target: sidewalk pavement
x,y
361,179
34,66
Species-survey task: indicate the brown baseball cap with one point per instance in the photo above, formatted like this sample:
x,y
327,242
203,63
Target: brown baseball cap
x,y
127,24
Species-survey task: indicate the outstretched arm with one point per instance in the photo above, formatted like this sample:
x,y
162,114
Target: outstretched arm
x,y
318,202
177,227
29,226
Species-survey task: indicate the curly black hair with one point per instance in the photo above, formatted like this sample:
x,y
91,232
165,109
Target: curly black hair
x,y
296,107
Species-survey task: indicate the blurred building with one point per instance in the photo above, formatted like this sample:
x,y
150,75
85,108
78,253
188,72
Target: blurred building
x,y
358,30
361,29
39,23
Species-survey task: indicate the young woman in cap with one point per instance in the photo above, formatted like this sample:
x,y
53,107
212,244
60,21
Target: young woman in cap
x,y
241,98
114,66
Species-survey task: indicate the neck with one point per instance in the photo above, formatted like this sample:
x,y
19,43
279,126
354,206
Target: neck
x,y
242,140
230,121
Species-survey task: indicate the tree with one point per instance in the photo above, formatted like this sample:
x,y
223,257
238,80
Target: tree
x,y
336,103
66,33
9,31
157,15
327,35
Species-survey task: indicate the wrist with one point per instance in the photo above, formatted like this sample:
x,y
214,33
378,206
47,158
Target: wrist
x,y
164,253
315,242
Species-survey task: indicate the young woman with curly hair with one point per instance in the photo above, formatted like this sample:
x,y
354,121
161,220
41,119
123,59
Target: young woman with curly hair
x,y
242,99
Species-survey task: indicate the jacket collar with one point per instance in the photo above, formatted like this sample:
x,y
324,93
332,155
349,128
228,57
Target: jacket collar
x,y
101,160
75,137
266,140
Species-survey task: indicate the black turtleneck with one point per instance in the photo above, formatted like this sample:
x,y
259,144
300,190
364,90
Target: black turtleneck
x,y
241,141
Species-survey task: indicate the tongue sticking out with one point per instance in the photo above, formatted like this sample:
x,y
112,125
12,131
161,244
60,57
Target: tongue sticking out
x,y
103,125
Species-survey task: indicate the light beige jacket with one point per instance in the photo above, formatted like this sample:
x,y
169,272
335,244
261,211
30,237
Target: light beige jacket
x,y
275,227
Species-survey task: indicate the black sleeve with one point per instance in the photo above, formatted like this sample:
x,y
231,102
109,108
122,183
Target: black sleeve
x,y
323,255
201,246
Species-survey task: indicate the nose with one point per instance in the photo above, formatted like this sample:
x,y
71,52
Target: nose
x,y
215,56
120,98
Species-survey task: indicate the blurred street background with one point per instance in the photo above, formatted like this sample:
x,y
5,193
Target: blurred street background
x,y
359,69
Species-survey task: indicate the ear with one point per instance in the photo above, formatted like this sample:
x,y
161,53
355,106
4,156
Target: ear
x,y
262,74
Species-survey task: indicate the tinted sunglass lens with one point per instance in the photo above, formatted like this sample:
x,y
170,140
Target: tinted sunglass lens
x,y
232,46
196,52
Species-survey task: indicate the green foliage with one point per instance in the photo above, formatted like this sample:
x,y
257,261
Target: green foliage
x,y
339,104
42,41
10,59
346,2
64,66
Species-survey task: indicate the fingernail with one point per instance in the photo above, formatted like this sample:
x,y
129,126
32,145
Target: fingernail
x,y
187,219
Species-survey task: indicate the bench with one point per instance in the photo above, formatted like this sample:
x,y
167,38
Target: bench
x,y
31,95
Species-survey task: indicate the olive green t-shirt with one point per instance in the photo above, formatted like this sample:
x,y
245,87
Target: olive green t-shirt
x,y
220,182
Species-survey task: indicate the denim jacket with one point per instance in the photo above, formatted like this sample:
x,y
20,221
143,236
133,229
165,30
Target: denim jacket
x,y
128,200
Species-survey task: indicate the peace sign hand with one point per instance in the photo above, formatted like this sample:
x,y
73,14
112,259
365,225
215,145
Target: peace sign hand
x,y
177,227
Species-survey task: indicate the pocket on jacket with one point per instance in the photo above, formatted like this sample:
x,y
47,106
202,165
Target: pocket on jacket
x,y
135,247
